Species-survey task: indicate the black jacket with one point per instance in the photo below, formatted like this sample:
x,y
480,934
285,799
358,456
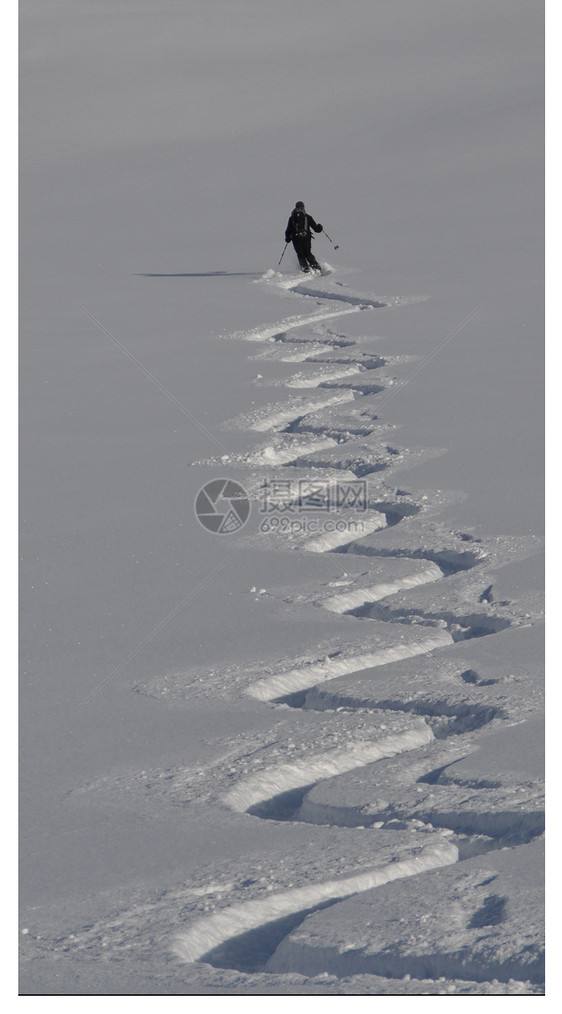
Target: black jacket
x,y
292,232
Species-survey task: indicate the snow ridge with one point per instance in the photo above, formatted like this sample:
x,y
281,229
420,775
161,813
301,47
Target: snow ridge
x,y
308,676
351,600
271,332
285,777
207,934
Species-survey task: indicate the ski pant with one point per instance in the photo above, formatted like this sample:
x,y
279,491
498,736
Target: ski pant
x,y
302,245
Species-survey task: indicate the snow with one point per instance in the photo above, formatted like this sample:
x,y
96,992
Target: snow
x,y
208,934
374,593
480,923
311,675
277,416
305,757
319,767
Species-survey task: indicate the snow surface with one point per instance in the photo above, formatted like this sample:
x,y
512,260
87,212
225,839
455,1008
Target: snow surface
x,y
304,757
207,935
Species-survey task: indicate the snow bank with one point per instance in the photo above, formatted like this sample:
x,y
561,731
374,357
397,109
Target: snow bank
x,y
513,814
351,530
281,453
316,379
481,922
266,333
301,679
284,777
353,599
272,418
209,933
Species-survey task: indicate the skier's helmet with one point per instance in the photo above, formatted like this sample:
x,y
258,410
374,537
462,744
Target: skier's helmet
x,y
299,206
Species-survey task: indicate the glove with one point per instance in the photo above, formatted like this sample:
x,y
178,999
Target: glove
x,y
318,228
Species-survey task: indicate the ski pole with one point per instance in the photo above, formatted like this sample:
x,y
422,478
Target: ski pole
x,y
283,254
336,245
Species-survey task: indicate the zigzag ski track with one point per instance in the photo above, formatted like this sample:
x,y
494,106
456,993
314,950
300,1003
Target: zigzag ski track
x,y
369,730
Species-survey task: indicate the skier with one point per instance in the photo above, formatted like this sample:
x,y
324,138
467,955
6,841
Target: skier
x,y
298,230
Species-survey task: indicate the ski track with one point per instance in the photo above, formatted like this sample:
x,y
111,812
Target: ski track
x,y
281,781
207,934
292,781
312,675
286,777
282,415
352,600
276,331
304,426
324,378
331,540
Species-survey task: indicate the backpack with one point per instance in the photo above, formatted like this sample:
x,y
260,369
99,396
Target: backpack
x,y
300,223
